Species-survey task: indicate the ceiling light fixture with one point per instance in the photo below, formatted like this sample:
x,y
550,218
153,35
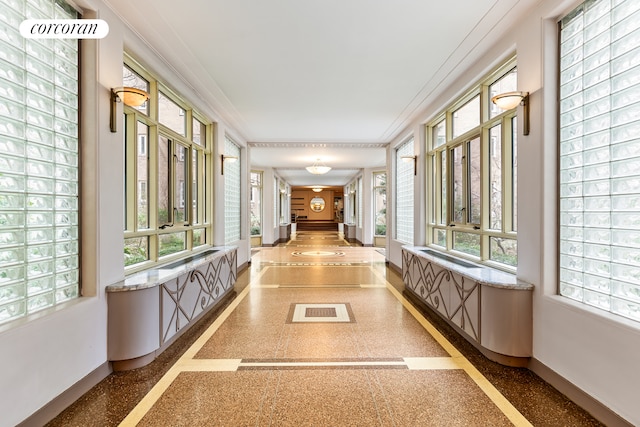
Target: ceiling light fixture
x,y
317,189
510,100
131,96
318,168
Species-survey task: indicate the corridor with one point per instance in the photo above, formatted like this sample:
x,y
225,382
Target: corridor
x,y
319,334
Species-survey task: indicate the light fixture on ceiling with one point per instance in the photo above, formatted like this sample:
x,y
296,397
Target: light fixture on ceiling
x,y
318,168
131,96
230,159
510,100
409,159
316,189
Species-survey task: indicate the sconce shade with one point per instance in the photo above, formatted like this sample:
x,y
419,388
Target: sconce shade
x,y
131,96
318,168
509,100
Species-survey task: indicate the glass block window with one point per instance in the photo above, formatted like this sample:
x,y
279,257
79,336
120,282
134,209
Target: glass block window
x,y
39,163
231,193
599,156
404,193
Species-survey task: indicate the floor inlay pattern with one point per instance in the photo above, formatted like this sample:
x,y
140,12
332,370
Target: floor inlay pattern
x,y
320,313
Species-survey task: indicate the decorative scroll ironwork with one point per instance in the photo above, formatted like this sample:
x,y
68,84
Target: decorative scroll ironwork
x,y
449,293
188,295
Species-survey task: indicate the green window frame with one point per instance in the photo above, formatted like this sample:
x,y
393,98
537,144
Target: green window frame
x,y
168,175
472,175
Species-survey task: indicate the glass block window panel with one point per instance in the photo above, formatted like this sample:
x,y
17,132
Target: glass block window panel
x,y
599,154
171,114
404,193
231,192
39,249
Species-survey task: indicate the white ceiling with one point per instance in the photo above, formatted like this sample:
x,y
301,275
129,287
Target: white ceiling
x,y
302,79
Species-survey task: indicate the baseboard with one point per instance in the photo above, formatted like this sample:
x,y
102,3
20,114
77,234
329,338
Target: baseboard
x,y
394,267
598,410
52,409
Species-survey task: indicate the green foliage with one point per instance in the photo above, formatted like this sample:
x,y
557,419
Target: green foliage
x,y
381,230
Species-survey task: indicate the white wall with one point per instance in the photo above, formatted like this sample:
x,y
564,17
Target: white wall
x,y
595,351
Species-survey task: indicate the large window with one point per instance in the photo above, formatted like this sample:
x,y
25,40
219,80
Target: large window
x,y
380,203
404,192
231,192
599,156
39,164
256,203
166,153
472,161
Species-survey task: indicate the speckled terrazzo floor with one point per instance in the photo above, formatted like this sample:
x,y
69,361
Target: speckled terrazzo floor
x,y
248,363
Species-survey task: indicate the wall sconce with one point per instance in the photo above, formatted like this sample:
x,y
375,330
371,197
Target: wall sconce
x,y
510,100
130,96
230,159
409,159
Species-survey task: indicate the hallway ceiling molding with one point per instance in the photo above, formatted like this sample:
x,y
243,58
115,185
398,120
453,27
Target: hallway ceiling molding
x,y
310,72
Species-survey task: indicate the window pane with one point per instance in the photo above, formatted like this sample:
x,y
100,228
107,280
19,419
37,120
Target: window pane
x,y
136,250
439,134
466,117
143,176
171,243
506,83
457,159
504,251
132,79
198,237
164,183
199,132
195,219
171,114
380,203
181,180
256,203
443,188
514,171
474,181
495,178
467,243
440,237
